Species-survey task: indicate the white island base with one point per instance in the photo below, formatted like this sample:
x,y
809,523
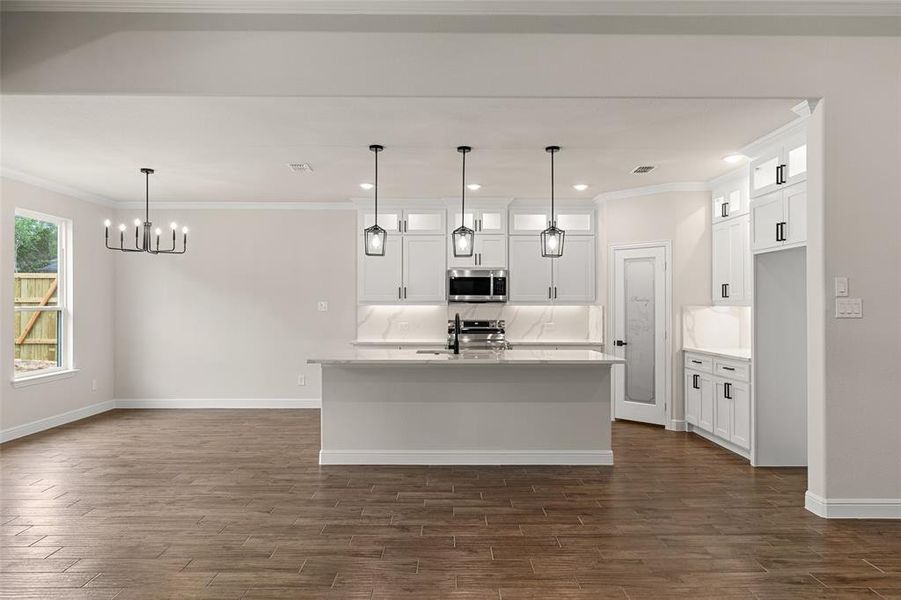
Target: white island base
x,y
382,407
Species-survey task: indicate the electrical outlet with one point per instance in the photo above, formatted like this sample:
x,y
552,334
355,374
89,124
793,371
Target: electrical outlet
x,y
301,380
848,308
841,287
93,385
322,306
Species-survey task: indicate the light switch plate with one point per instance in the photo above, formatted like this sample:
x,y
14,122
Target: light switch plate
x,y
848,308
322,306
301,380
841,287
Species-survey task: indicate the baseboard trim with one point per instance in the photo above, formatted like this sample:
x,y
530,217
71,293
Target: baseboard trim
x,y
13,433
465,457
853,508
218,403
677,425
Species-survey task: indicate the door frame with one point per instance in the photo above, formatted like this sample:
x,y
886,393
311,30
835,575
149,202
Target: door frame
x,y
667,246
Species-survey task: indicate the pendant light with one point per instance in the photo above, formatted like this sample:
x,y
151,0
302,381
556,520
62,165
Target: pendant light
x,y
463,235
552,237
143,235
374,237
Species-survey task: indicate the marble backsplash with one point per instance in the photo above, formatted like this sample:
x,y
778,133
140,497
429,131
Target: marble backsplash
x,y
716,327
523,322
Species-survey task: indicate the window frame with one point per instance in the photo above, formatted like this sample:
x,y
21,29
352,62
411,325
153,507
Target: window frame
x,y
63,307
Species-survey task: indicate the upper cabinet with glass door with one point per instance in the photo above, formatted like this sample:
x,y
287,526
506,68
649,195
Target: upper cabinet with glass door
x,y
730,198
574,220
479,219
424,221
782,162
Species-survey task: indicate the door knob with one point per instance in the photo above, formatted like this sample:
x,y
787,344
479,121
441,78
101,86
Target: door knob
x,y
620,343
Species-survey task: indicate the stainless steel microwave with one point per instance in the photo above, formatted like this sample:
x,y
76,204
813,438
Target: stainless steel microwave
x,y
477,285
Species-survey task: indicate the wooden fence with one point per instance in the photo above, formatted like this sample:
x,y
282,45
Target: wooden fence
x,y
36,332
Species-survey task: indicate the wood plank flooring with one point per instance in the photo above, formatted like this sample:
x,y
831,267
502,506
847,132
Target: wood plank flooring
x,y
232,504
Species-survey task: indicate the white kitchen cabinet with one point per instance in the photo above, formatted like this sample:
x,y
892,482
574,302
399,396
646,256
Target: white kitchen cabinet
x,y
722,411
779,219
718,399
573,220
741,414
480,220
731,255
530,273
424,221
391,220
730,199
424,270
569,279
489,252
781,163
574,272
380,278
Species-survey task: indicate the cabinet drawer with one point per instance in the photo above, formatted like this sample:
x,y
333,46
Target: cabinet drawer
x,y
698,362
732,369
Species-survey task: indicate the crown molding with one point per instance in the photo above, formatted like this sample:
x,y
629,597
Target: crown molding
x,y
644,8
663,188
58,188
240,205
736,173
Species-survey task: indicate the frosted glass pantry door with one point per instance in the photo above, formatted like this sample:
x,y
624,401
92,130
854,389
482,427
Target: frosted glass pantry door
x,y
639,330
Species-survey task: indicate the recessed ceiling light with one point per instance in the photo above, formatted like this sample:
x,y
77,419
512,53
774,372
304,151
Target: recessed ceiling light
x,y
580,187
366,186
734,158
474,186
300,167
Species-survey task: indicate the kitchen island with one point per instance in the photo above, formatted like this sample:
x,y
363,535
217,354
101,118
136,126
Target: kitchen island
x,y
409,407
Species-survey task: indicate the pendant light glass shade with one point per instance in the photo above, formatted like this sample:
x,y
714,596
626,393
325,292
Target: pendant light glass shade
x,y
374,240
463,236
374,237
552,238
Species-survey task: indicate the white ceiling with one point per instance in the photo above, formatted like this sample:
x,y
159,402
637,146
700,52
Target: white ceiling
x,y
226,149
474,7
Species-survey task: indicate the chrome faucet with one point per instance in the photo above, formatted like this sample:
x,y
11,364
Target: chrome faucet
x,y
457,334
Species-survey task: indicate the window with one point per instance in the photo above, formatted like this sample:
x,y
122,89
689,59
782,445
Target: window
x,y
43,315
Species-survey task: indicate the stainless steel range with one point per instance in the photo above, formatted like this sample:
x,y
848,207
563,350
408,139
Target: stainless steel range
x,y
479,335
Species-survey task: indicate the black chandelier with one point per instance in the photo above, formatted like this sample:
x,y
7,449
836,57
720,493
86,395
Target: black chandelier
x,y
552,237
374,237
463,235
143,241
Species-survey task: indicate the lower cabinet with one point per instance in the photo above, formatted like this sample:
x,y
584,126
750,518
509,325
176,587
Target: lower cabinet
x,y
717,405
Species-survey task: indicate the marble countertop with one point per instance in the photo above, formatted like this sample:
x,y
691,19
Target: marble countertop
x,y
441,343
384,356
740,353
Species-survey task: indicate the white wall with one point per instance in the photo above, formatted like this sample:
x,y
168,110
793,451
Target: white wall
x,y
683,218
93,290
236,317
854,422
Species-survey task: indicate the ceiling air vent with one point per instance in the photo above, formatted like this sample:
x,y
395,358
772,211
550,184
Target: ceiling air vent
x,y
643,169
300,167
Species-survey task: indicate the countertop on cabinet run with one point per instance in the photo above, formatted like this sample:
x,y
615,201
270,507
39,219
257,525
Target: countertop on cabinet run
x,y
384,356
441,343
739,353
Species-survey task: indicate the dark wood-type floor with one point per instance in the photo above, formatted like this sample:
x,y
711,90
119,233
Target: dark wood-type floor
x,y
232,504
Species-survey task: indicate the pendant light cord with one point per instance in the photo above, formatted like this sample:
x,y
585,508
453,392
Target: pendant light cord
x,y
552,188
463,194
146,196
376,152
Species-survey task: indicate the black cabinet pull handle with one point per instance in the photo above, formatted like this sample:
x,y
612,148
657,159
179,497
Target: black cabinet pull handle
x,y
727,391
697,362
724,209
729,368
724,290
694,382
